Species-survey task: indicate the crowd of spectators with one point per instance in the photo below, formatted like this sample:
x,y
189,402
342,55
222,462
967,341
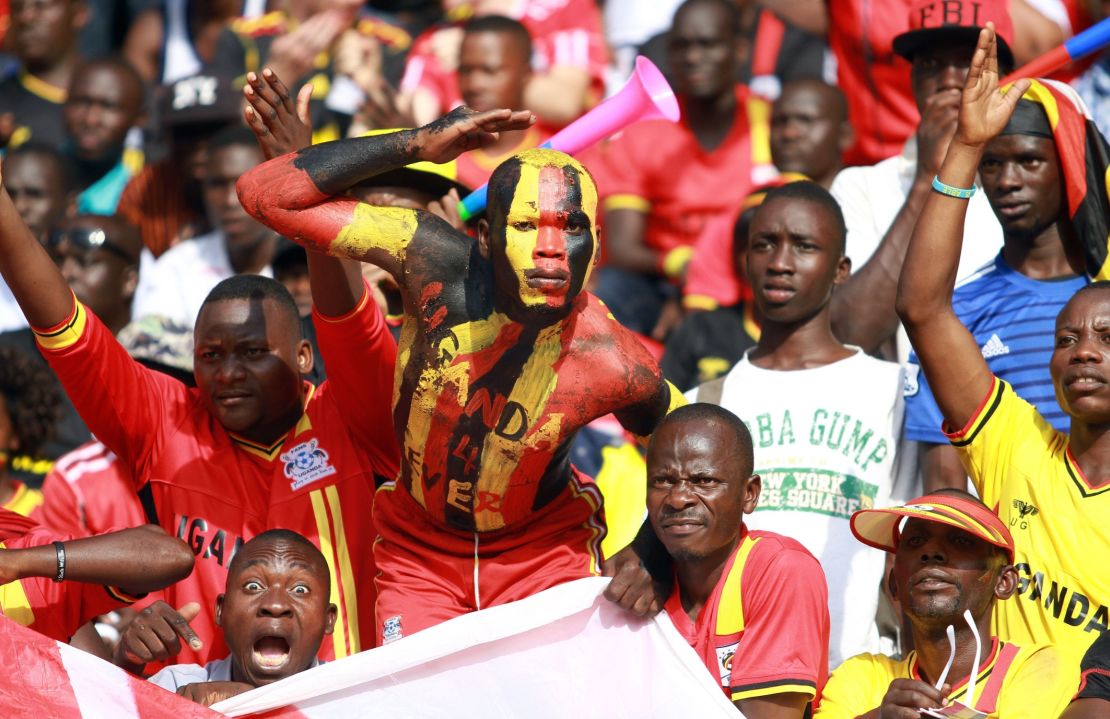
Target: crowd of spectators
x,y
246,335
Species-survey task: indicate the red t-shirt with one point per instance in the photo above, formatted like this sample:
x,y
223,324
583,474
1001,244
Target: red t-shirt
x,y
564,33
216,490
658,167
56,609
765,628
87,491
875,81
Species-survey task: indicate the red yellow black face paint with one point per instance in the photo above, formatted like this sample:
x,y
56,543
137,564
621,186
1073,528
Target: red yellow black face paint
x,y
550,229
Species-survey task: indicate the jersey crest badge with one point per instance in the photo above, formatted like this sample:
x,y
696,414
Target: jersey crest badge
x,y
391,629
306,463
724,662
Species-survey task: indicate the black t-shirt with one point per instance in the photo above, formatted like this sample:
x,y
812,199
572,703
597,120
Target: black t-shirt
x,y
1094,682
37,108
706,345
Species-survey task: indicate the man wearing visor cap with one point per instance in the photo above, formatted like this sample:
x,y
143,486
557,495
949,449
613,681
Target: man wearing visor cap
x,y
953,559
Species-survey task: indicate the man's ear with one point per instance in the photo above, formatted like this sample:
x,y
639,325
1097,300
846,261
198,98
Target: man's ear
x,y
891,586
483,237
1007,582
129,282
329,619
847,136
305,359
219,610
751,496
843,270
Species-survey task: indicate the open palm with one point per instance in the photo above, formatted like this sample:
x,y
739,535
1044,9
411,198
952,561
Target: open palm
x,y
464,129
984,109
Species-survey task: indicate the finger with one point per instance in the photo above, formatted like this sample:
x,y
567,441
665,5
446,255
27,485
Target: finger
x,y
975,71
254,122
180,624
264,91
279,88
135,650
643,604
304,98
162,632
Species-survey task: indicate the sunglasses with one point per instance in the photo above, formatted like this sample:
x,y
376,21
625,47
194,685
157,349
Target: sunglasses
x,y
87,240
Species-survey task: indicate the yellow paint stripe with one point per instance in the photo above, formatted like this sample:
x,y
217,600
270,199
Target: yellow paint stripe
x,y
350,591
14,603
389,229
730,611
532,389
323,529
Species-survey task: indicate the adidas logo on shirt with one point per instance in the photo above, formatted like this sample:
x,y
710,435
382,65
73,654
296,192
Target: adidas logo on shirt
x,y
994,348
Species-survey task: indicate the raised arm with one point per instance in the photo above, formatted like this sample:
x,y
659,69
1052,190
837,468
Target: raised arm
x,y
949,355
298,194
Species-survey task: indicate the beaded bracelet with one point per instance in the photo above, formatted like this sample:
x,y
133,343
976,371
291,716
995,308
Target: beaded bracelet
x,y
949,191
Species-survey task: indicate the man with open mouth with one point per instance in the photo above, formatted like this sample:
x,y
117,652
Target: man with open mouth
x,y
274,614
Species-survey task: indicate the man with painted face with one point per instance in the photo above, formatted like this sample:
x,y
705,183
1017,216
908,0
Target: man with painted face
x,y
733,585
1049,487
274,612
952,556
826,416
503,357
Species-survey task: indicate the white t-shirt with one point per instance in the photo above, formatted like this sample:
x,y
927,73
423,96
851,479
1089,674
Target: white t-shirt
x,y
871,197
826,442
175,284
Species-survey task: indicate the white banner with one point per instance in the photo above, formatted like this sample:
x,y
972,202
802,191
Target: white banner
x,y
564,653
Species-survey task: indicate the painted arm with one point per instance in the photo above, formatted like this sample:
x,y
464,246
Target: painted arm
x,y
296,194
280,126
138,560
948,353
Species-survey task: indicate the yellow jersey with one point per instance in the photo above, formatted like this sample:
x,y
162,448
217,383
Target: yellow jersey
x,y
1003,686
1060,521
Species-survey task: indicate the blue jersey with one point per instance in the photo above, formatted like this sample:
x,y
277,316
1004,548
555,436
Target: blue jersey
x,y
1013,320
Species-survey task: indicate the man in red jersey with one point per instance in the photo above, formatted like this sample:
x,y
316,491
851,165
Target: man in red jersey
x,y
54,584
253,446
664,185
504,357
752,604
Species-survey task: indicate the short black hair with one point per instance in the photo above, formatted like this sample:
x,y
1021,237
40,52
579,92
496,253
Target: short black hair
x,y
290,537
32,398
231,136
731,11
812,192
714,414
254,287
35,148
504,25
